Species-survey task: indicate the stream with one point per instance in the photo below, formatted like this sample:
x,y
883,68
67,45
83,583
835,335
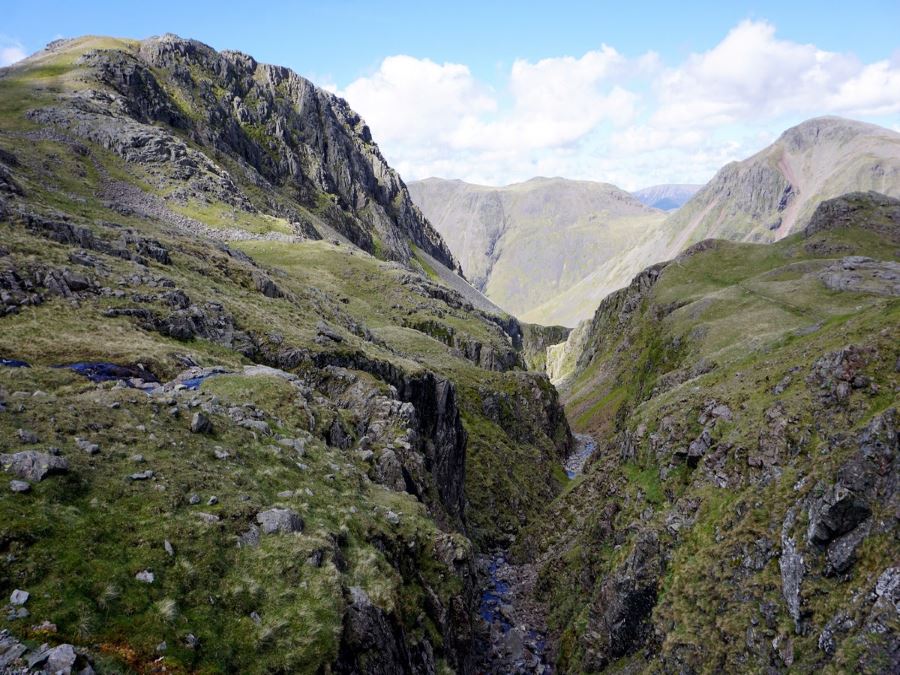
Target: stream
x,y
513,639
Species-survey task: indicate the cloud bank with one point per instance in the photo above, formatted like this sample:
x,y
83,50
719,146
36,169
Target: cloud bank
x,y
606,116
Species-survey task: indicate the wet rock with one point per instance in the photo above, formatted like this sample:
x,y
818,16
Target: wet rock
x,y
34,466
281,521
371,641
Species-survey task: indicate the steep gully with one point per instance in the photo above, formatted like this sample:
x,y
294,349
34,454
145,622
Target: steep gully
x,y
513,636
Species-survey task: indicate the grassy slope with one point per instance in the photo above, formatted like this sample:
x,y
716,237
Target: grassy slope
x,y
744,308
77,541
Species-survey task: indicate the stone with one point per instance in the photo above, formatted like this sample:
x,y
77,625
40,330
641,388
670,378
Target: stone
x,y
87,446
837,512
298,445
141,475
146,576
212,501
34,466
326,331
283,521
61,660
194,499
249,538
19,597
392,517
201,424
27,437
841,552
258,426
221,454
19,486
793,568
167,546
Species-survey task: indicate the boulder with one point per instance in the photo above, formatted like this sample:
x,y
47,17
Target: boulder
x,y
279,521
201,424
34,466
19,597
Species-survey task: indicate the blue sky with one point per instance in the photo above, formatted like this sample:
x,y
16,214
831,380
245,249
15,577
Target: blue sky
x,y
628,92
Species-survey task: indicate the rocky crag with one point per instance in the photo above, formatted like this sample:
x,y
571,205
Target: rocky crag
x,y
741,511
775,192
250,418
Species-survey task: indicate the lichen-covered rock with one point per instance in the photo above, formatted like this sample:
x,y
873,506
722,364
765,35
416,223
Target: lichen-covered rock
x,y
279,521
34,466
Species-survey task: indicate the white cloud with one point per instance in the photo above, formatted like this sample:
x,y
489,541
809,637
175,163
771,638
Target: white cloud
x,y
10,52
607,116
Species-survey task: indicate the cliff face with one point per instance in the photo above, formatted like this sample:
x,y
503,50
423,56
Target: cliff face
x,y
775,192
255,136
264,419
739,513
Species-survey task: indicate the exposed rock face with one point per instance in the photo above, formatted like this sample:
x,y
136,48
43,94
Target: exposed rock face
x,y
775,192
623,606
278,129
762,459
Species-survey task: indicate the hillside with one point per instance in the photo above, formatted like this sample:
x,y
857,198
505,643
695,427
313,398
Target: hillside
x,y
526,246
250,420
774,193
666,197
739,514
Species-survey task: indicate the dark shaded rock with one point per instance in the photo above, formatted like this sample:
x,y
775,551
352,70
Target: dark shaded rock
x,y
619,617
201,424
837,512
841,551
372,643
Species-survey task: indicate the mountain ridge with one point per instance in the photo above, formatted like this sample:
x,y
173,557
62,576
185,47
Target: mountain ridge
x,y
554,227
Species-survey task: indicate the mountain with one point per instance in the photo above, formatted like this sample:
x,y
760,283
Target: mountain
x,y
740,511
250,418
775,192
666,197
526,245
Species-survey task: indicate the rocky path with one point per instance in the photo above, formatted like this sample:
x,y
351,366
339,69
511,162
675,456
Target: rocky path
x,y
513,639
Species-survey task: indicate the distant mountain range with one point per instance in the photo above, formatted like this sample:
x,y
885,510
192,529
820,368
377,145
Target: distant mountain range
x,y
526,244
667,197
549,250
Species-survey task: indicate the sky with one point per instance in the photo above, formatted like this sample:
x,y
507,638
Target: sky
x,y
632,93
